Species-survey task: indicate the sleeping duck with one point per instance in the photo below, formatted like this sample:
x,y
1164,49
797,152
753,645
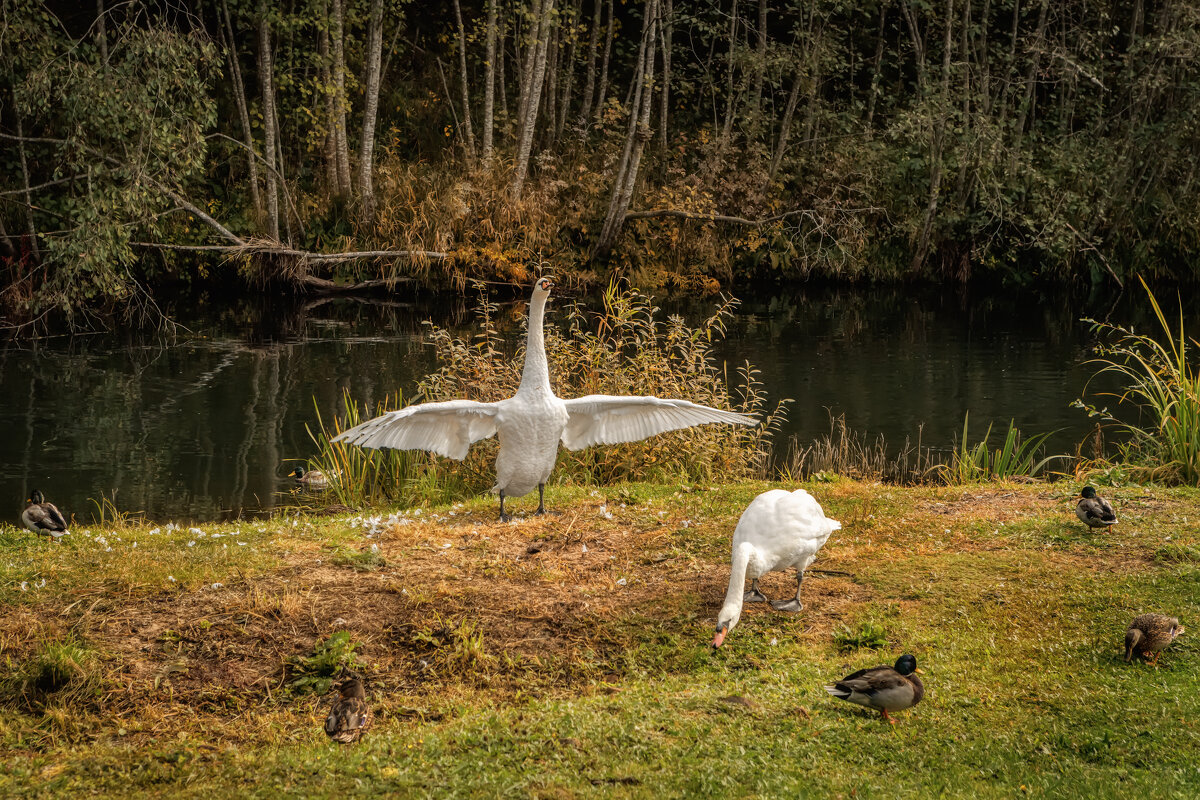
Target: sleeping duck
x,y
314,479
350,716
885,688
1095,511
1150,633
42,517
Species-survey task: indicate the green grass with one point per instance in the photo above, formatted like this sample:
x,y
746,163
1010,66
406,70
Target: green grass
x,y
511,662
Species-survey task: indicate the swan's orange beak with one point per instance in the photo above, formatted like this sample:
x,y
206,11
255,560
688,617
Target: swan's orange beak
x,y
719,639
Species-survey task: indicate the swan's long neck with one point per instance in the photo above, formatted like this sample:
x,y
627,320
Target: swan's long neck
x,y
731,612
536,373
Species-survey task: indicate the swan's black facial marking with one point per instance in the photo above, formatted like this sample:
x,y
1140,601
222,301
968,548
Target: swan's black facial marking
x,y
545,284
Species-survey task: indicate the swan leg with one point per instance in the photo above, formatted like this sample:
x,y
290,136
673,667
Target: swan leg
x,y
503,517
794,604
541,509
754,595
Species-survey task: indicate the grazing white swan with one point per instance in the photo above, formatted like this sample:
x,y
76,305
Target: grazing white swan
x,y
531,423
778,530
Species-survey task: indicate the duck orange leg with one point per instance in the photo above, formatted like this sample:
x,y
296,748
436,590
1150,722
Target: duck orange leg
x,y
886,717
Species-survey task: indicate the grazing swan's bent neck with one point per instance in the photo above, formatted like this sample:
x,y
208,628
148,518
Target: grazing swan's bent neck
x,y
731,612
536,372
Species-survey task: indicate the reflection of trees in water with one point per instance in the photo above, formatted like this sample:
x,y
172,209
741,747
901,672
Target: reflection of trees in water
x,y
197,425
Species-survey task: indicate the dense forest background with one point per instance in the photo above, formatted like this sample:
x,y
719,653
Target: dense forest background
x,y
349,144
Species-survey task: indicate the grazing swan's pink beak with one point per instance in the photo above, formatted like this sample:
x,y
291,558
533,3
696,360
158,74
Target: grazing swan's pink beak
x,y
719,638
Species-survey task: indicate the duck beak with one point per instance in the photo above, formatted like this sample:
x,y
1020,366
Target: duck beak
x,y
720,637
919,671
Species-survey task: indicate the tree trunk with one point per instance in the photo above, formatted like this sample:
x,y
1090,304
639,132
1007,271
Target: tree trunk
x,y
266,80
936,145
533,100
569,57
528,65
786,126
101,32
760,68
239,95
366,150
636,136
1031,72
502,33
466,89
331,173
730,100
589,89
553,53
30,225
489,82
340,101
879,40
668,27
602,93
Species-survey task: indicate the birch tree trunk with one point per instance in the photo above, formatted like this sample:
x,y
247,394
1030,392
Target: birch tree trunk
x,y
366,150
341,144
636,136
489,86
530,103
730,100
326,76
466,89
266,80
239,95
30,225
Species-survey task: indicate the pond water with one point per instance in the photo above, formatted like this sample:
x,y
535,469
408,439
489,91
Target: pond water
x,y
205,424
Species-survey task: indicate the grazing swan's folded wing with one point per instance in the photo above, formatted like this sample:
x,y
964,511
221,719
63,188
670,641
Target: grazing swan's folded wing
x,y
605,419
446,428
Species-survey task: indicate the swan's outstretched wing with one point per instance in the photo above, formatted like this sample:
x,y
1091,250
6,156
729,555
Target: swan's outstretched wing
x,y
446,428
605,419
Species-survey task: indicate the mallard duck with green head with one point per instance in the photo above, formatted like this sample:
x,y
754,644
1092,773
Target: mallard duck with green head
x,y
1150,633
350,716
885,688
44,518
1094,510
313,479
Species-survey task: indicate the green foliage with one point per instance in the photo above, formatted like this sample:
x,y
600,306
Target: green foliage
x,y
1016,457
1163,386
868,634
317,672
125,137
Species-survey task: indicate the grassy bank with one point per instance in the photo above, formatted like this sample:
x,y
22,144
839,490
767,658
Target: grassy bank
x,y
567,656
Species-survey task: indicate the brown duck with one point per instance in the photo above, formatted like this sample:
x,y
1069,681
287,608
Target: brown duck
x,y
43,518
1150,633
885,688
350,716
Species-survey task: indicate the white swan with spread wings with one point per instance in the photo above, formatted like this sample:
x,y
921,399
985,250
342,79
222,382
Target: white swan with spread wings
x,y
531,423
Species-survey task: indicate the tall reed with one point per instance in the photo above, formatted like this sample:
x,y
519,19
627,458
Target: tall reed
x,y
1016,456
1163,387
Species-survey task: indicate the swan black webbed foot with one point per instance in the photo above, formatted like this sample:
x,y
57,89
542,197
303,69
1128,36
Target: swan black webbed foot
x,y
794,604
754,595
541,509
504,517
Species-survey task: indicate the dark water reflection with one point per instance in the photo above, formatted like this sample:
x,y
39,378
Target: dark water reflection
x,y
202,425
